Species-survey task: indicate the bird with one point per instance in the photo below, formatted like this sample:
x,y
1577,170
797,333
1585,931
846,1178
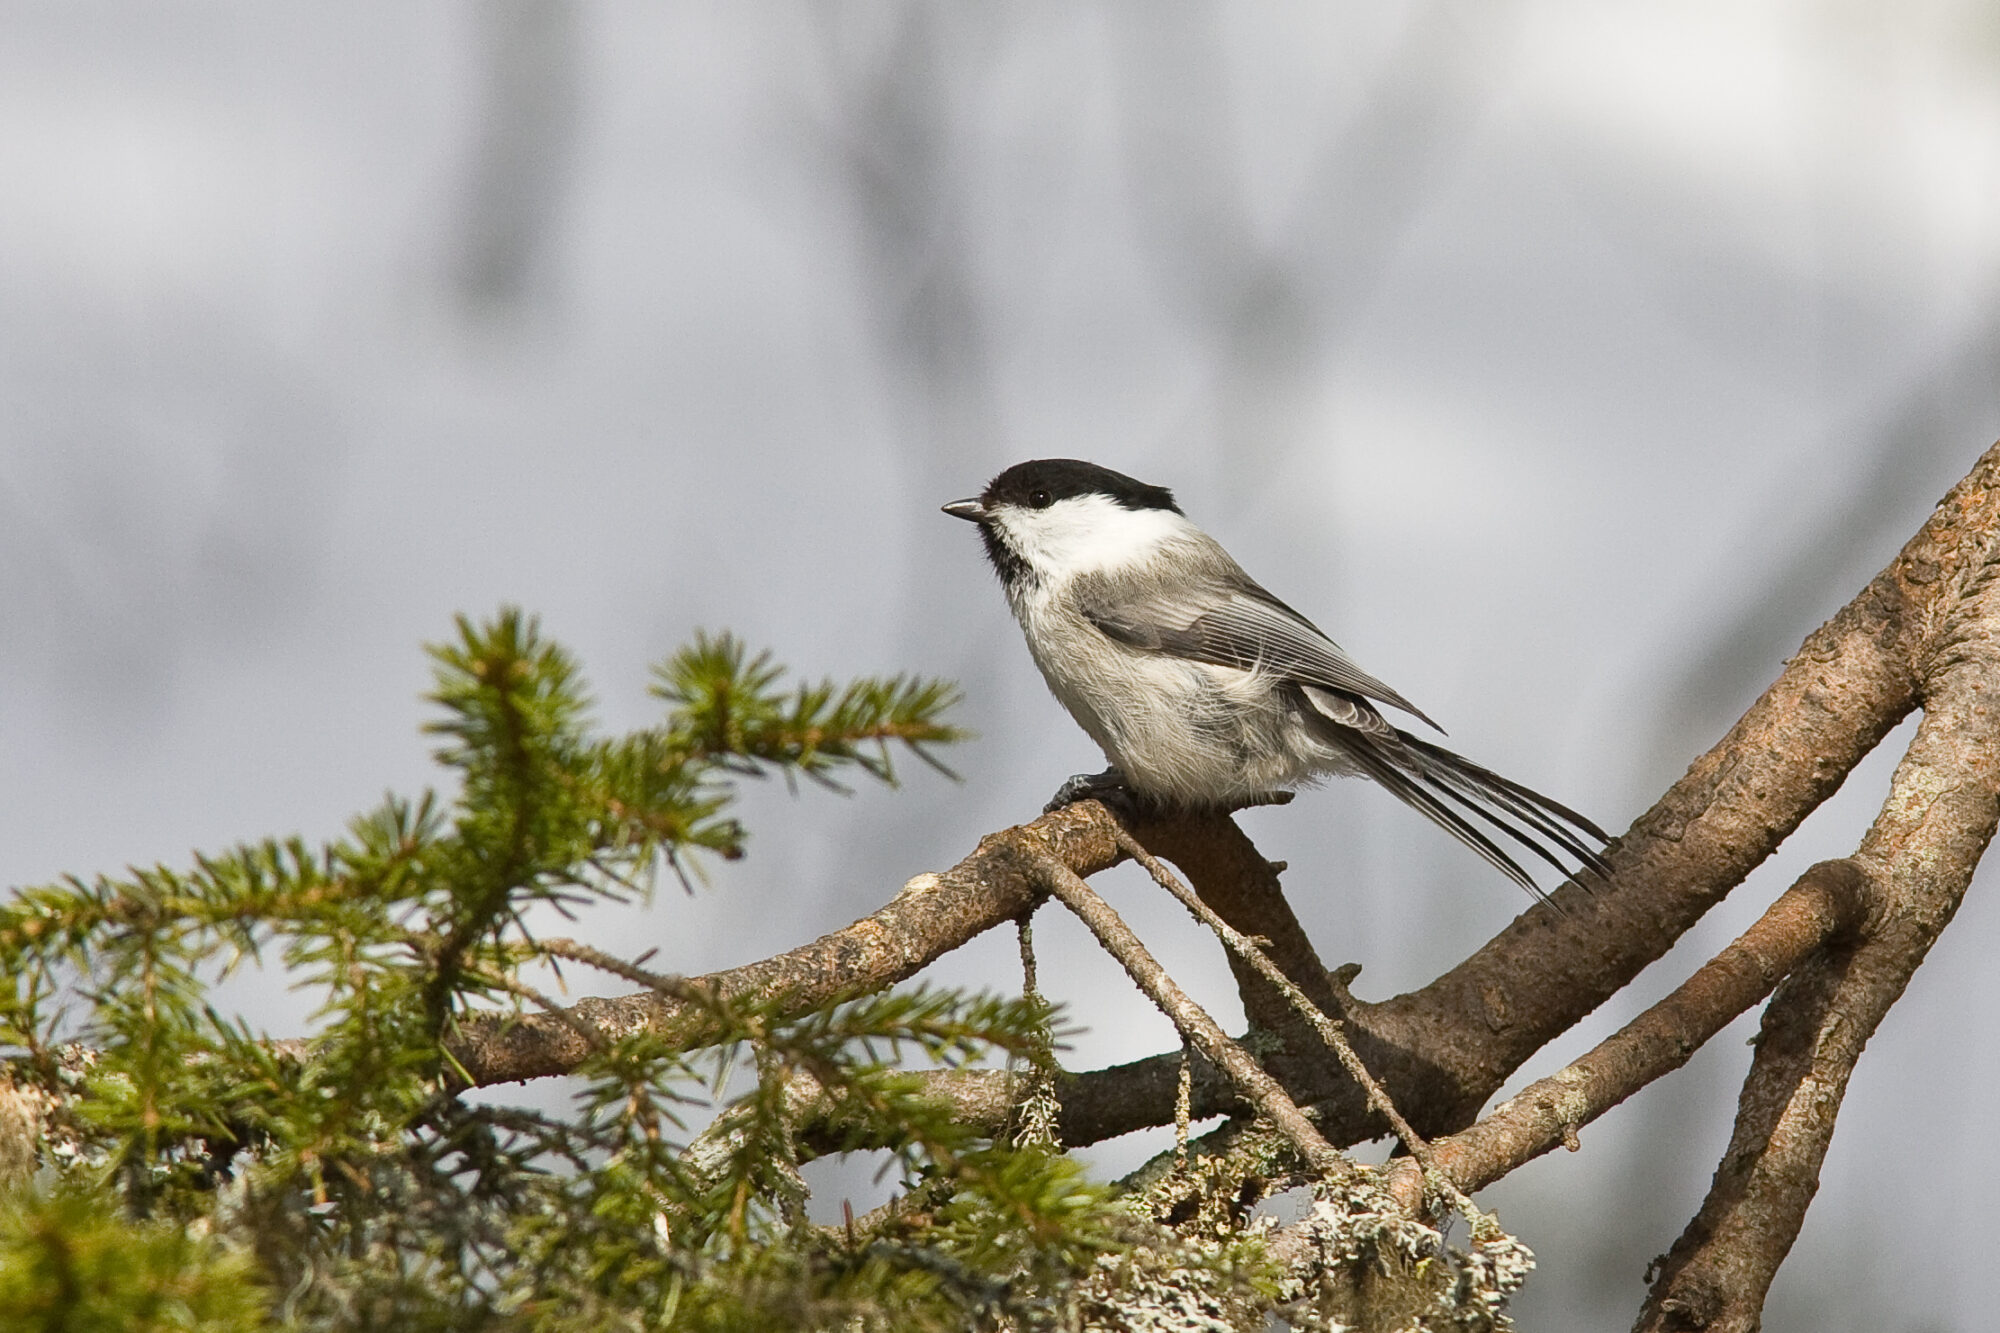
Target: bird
x,y
1206,692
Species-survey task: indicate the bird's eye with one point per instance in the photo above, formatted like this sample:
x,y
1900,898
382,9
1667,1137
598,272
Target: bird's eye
x,y
1040,499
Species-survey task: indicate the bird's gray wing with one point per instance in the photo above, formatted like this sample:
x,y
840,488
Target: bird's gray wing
x,y
1217,615
1245,627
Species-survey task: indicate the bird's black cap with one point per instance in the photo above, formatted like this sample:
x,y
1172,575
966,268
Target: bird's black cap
x,y
1041,482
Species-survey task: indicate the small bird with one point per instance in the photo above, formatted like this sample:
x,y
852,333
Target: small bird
x,y
1205,691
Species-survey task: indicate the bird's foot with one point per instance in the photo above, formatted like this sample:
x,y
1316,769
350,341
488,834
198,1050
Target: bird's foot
x,y
1107,789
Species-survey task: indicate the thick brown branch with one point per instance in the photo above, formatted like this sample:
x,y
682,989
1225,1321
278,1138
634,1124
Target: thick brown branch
x,y
1229,875
1829,900
933,915
1922,849
1096,1104
1852,681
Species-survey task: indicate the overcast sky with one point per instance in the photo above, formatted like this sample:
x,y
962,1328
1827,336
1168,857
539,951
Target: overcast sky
x,y
1569,362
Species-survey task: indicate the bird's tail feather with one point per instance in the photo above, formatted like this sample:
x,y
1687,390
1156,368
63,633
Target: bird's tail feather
x,y
1554,820
1433,781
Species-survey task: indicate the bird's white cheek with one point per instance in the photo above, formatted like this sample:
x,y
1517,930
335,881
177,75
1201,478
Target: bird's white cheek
x,y
1089,533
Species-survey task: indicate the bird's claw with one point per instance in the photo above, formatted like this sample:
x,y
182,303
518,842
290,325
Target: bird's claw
x,y
1110,790
1107,789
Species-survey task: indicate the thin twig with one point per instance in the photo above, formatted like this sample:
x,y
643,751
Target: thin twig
x,y
660,983
1258,1088
1038,1105
1183,1109
1329,1029
576,1022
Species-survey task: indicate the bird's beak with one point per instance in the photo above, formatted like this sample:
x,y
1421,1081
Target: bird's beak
x,y
970,510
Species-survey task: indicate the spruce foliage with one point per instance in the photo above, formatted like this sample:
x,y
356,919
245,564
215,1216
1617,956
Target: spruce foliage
x,y
196,1171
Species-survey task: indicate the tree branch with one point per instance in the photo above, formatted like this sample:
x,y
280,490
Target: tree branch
x,y
1234,880
1830,900
1922,849
933,915
1245,952
1258,1088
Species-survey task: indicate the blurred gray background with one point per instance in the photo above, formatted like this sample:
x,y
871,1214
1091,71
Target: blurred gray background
x,y
1569,362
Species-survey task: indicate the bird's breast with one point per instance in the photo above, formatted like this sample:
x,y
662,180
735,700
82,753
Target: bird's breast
x,y
1190,732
